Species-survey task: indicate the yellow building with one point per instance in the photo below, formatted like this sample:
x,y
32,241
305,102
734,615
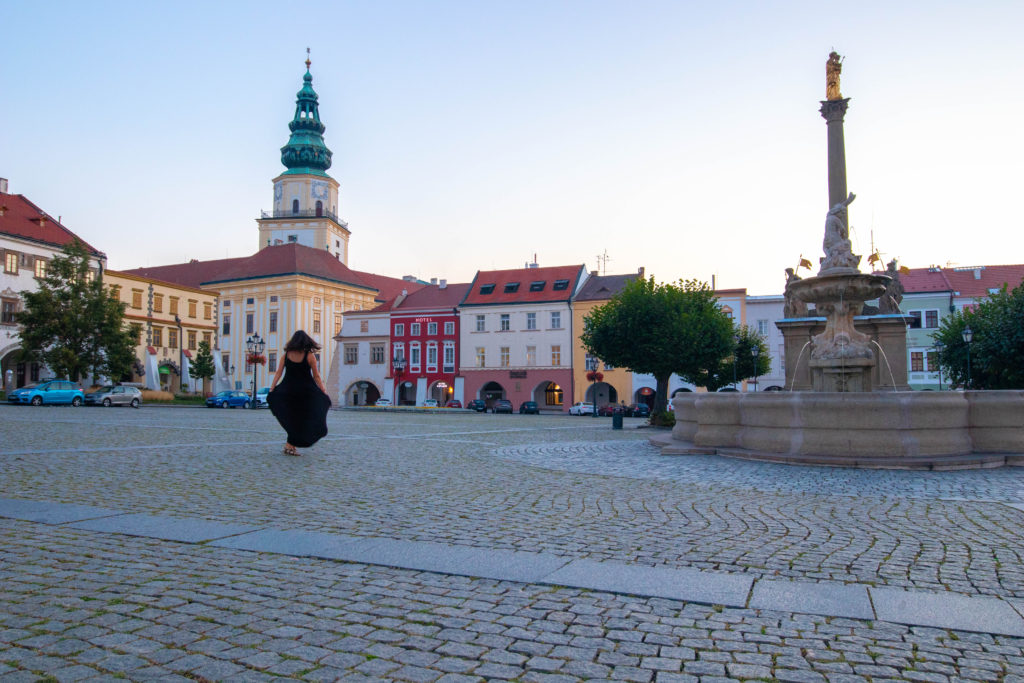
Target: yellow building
x,y
616,385
173,319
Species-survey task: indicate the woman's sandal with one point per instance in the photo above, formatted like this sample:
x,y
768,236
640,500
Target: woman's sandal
x,y
290,451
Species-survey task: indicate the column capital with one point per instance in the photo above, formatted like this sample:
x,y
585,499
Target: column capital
x,y
834,110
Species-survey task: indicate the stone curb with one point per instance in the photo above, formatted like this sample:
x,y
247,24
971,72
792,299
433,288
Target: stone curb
x,y
982,614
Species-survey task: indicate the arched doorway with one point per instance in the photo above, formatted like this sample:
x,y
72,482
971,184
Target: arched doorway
x,y
491,392
407,393
362,393
644,395
549,395
15,374
441,392
605,394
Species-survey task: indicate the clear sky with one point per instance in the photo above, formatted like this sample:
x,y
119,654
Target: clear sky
x,y
679,136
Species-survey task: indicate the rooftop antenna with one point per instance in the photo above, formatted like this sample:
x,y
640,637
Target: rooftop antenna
x,y
307,59
602,262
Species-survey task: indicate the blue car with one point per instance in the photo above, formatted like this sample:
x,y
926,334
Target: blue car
x,y
54,392
228,399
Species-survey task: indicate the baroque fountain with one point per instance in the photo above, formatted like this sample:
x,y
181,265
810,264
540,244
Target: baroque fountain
x,y
848,403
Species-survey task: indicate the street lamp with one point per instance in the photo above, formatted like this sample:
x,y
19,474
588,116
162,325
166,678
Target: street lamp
x,y
181,353
254,345
735,338
939,347
398,364
968,335
755,351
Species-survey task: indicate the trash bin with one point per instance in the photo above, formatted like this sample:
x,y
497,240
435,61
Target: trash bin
x,y
617,418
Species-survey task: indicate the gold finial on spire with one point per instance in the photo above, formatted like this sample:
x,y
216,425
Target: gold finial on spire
x,y
307,59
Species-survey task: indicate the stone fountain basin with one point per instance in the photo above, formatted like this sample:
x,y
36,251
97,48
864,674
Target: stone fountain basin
x,y
896,430
845,286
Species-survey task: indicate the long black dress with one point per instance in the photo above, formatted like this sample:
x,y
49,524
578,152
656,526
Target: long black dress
x,y
299,405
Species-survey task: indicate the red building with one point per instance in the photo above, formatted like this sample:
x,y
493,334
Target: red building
x,y
425,334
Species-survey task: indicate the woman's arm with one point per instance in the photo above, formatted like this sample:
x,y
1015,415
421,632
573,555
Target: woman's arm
x,y
316,373
277,375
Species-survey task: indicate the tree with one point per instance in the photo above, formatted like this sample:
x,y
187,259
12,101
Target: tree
x,y
661,329
997,349
203,367
72,324
740,362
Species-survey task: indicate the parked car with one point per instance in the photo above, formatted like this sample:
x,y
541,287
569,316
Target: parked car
x,y
502,405
608,409
261,397
228,399
638,410
529,408
477,404
383,402
454,403
55,391
114,396
582,408
430,403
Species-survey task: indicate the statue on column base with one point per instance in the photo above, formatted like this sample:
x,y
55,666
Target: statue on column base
x,y
839,256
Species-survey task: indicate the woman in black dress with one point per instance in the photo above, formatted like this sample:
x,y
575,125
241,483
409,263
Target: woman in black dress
x,y
300,403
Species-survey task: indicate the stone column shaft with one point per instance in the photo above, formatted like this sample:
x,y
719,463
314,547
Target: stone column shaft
x,y
833,112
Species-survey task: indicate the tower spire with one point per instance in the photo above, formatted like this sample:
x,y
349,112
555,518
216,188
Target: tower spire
x,y
306,152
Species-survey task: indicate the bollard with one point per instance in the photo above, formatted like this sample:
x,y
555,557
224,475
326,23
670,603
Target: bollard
x,y
617,419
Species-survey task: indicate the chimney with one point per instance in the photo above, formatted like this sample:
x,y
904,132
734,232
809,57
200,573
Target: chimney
x,y
593,273
442,284
401,297
433,280
641,271
3,185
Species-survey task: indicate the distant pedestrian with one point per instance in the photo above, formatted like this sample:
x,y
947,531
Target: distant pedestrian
x,y
301,402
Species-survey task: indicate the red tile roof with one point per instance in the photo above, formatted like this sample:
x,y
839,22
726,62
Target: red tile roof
x,y
602,287
389,287
970,281
525,277
191,274
432,297
21,218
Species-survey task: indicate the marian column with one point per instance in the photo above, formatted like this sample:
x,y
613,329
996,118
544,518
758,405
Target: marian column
x,y
833,109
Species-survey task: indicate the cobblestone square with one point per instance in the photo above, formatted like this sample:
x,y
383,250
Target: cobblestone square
x,y
79,604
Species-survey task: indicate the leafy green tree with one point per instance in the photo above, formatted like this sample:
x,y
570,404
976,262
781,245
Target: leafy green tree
x,y
74,325
997,349
661,329
203,366
742,358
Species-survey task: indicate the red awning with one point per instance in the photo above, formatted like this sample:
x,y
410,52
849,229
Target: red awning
x,y
151,350
188,354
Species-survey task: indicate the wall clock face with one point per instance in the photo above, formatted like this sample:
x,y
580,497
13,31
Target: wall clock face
x,y
278,191
319,190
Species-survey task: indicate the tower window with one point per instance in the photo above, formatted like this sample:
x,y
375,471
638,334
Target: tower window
x,y
319,208
295,206
293,238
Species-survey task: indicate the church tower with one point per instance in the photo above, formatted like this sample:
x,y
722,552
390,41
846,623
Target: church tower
x,y
305,197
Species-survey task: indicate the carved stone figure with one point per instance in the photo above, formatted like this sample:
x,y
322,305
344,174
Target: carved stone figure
x,y
889,302
833,67
793,307
836,245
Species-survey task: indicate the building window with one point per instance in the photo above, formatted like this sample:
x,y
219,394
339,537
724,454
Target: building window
x,y
560,284
414,355
432,329
273,299
40,268
250,301
506,324
364,326
225,362
414,329
449,327
11,263
319,208
351,354
295,207
136,298
556,355
398,351
226,324
316,301
487,289
377,354
337,323
608,367
192,305
556,320
762,328
227,303
432,354
248,323
316,322
590,363
917,361
531,355
504,356
449,356
531,321
272,323
174,306
932,357
480,324
399,329
511,287
158,303
481,357
158,336
191,340
272,361
208,338
172,338
9,308
207,311
931,319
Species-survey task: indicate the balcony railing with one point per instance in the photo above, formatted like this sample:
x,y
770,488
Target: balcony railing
x,y
305,213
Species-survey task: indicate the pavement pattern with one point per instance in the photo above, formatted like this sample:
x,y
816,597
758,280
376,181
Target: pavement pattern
x,y
76,604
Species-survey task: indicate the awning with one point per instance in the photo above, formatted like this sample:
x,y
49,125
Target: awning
x,y
164,370
151,350
646,391
188,354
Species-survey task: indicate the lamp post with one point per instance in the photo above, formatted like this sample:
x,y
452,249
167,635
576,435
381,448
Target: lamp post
x,y
181,354
398,364
254,345
939,346
231,372
968,336
736,339
755,351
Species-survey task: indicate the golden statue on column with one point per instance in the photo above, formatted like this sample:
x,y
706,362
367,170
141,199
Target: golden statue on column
x,y
833,67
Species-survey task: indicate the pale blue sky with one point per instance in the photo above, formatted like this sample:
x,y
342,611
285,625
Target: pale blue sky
x,y
683,137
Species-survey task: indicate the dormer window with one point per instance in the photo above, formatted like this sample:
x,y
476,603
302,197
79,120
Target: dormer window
x,y
560,284
511,287
538,285
487,289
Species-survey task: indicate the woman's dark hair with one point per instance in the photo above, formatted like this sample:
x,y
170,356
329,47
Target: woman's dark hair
x,y
301,341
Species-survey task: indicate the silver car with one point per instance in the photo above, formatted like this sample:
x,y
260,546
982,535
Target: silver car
x,y
115,396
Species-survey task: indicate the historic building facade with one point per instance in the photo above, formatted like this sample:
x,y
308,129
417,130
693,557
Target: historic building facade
x,y
616,385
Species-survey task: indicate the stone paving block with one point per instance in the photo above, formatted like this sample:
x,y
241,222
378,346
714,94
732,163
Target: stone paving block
x,y
947,610
293,542
830,598
50,513
164,528
691,585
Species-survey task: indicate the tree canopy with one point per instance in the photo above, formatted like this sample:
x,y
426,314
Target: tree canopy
x,y
661,329
72,324
204,366
740,364
997,347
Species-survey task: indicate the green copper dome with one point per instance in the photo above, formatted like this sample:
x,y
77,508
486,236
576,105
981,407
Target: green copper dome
x,y
306,152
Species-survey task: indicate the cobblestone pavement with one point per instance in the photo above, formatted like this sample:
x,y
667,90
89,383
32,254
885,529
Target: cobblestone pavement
x,y
567,486
79,605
